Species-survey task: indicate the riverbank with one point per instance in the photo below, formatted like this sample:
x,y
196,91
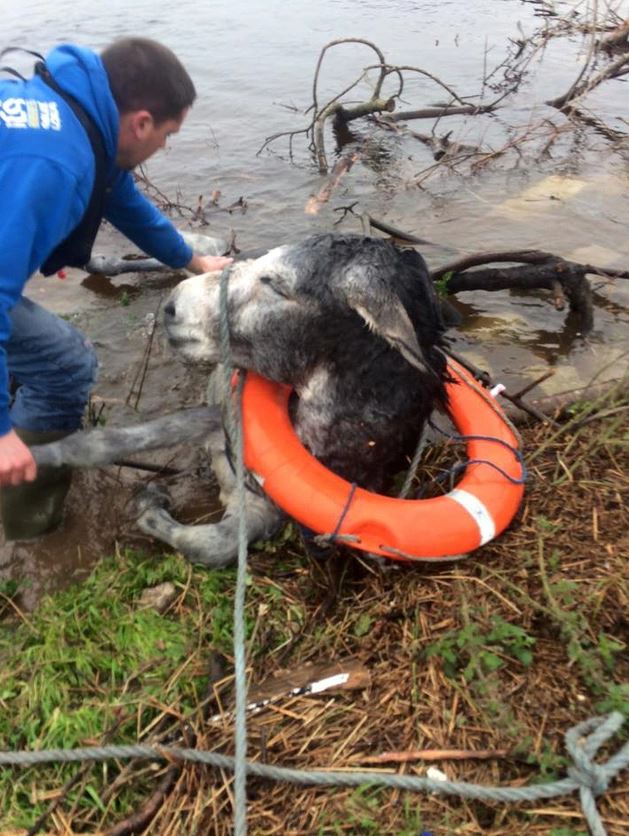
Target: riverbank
x,y
500,653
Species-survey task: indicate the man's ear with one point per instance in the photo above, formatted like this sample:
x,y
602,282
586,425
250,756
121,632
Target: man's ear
x,y
140,123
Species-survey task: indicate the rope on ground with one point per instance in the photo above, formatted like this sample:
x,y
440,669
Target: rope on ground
x,y
582,743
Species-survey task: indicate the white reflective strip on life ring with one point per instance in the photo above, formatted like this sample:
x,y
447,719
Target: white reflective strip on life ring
x,y
477,511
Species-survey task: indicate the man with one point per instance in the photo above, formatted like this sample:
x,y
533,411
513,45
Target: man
x,y
69,138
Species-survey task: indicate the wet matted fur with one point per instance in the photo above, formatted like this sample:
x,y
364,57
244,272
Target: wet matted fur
x,y
352,323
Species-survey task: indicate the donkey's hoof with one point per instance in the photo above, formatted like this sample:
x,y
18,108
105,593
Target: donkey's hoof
x,y
152,497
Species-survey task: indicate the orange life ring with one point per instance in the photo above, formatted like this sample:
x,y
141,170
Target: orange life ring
x,y
480,507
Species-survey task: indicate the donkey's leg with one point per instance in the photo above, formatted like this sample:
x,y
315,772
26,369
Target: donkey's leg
x,y
92,448
213,545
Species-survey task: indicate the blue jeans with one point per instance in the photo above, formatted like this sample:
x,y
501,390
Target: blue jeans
x,y
54,366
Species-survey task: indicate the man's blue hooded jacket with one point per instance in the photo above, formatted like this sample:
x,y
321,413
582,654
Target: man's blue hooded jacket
x,y
46,179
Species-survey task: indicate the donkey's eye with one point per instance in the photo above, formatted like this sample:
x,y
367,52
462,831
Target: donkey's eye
x,y
272,283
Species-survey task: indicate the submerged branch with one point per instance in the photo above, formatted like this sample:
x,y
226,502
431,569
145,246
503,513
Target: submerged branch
x,y
438,112
557,276
543,271
315,202
579,89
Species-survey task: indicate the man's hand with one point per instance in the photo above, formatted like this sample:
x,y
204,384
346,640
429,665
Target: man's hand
x,y
16,462
208,263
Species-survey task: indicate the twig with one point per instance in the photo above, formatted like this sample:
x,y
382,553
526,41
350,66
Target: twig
x,y
138,821
401,235
315,202
432,755
530,409
526,389
143,369
576,114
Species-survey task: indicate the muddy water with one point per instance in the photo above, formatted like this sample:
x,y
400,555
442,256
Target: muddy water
x,y
253,65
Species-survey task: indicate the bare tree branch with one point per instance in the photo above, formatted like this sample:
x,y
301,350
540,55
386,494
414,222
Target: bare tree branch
x,y
577,91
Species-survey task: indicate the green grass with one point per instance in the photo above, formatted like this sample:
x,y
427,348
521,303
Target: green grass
x,y
93,664
475,650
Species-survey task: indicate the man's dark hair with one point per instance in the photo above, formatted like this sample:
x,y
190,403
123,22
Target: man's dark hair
x,y
146,75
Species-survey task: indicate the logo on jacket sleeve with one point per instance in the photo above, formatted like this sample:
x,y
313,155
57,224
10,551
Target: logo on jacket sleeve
x,y
30,113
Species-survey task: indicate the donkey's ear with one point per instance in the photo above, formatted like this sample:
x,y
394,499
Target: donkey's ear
x,y
393,324
368,292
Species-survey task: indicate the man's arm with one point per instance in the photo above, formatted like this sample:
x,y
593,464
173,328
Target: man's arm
x,y
136,217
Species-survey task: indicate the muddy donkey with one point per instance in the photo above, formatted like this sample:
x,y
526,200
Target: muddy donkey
x,y
351,323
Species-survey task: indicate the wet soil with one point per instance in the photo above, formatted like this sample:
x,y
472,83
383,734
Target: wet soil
x,y
139,379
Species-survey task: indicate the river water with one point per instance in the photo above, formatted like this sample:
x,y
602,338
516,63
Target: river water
x,y
253,64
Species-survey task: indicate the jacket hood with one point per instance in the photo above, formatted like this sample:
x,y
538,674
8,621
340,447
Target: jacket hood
x,y
81,73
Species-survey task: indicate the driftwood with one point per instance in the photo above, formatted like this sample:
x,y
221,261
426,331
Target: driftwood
x,y
545,271
561,278
378,103
601,63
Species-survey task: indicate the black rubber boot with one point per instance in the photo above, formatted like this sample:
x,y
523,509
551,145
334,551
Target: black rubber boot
x,y
35,508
